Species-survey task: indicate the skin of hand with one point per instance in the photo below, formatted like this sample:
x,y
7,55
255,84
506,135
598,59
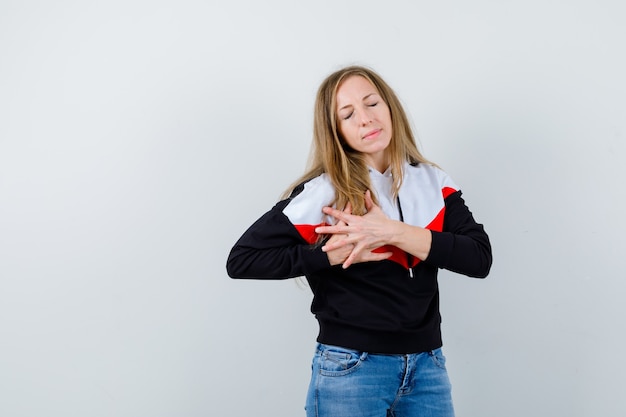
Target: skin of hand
x,y
354,237
340,248
340,253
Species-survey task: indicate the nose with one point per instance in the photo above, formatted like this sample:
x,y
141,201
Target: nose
x,y
365,118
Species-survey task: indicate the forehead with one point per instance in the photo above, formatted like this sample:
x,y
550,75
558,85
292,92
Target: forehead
x,y
355,87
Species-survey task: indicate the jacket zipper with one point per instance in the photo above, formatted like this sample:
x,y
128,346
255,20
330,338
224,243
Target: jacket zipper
x,y
408,255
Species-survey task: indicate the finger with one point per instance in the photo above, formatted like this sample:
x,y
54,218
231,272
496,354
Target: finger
x,y
339,228
369,203
337,214
353,255
348,210
329,229
368,257
336,244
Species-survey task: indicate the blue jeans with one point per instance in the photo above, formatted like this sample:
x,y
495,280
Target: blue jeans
x,y
350,383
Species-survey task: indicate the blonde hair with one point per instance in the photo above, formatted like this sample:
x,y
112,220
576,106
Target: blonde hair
x,y
346,168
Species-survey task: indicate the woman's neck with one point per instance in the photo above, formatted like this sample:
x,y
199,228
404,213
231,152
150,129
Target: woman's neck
x,y
379,162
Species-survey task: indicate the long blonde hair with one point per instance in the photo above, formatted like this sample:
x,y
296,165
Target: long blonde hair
x,y
345,167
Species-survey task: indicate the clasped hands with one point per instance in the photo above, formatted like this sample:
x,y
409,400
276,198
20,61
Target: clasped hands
x,y
353,238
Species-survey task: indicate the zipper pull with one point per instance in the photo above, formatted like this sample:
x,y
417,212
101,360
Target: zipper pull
x,y
410,272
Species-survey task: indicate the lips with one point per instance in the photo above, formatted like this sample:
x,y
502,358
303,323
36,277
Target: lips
x,y
372,134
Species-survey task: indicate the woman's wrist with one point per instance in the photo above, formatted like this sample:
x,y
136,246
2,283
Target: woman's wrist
x,y
412,239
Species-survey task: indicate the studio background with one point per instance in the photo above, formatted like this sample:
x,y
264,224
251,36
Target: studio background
x,y
139,139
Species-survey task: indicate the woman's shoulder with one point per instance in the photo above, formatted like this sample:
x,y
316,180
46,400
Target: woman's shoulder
x,y
312,186
315,192
423,172
304,205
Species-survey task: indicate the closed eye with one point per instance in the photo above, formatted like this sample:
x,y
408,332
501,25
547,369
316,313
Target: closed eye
x,y
348,116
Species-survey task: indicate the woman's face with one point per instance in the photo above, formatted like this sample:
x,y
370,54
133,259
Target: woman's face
x,y
364,120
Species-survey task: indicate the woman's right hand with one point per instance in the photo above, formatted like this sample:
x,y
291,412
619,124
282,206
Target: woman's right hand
x,y
340,254
343,248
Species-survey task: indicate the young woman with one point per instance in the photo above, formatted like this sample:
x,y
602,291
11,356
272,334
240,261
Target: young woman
x,y
369,225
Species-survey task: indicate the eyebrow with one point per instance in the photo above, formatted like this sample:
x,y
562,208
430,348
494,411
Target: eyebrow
x,y
364,98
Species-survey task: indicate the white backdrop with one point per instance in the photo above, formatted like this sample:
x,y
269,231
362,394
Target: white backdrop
x,y
138,139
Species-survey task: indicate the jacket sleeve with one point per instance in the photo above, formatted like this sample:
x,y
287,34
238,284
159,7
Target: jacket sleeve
x,y
463,245
272,248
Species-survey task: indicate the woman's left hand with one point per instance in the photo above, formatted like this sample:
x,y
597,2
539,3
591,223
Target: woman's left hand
x,y
365,233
